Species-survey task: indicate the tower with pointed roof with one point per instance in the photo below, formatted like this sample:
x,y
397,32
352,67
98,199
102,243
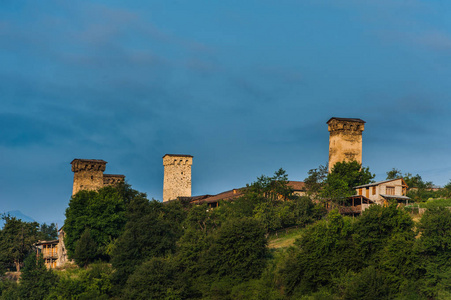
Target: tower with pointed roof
x,y
345,140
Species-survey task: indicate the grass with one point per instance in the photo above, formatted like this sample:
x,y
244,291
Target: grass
x,y
436,203
284,238
431,203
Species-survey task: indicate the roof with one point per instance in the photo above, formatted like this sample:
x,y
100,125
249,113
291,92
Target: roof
x,y
227,195
297,185
89,160
379,182
346,119
47,242
236,193
178,155
395,197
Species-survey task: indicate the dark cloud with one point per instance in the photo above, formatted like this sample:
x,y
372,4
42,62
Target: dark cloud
x,y
23,131
246,91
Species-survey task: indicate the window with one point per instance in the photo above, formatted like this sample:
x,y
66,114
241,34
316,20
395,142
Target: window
x,y
390,190
374,190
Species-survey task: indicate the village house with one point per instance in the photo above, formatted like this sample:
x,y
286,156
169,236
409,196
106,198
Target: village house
x,y
53,252
385,192
49,251
381,193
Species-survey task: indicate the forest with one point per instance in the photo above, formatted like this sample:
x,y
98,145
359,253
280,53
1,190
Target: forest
x,y
125,246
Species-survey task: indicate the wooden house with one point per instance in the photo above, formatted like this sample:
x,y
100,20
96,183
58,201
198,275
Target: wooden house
x,y
384,192
49,251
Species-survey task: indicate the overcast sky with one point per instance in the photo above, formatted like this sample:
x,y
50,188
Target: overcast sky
x,y
246,87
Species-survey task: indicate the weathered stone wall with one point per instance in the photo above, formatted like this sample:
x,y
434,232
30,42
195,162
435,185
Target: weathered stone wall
x,y
112,179
345,140
88,174
177,176
62,252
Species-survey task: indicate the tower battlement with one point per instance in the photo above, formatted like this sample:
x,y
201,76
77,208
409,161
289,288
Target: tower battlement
x,y
112,179
345,140
88,175
88,165
177,176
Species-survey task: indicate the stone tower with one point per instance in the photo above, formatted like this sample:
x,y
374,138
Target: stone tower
x,y
88,174
345,140
177,176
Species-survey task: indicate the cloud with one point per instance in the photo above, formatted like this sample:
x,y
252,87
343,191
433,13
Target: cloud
x,y
438,40
411,22
24,131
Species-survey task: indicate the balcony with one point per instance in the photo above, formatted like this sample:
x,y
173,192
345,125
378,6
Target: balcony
x,y
53,255
350,209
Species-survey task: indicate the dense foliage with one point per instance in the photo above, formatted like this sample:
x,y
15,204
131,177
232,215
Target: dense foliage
x,y
98,217
152,230
17,239
181,251
334,187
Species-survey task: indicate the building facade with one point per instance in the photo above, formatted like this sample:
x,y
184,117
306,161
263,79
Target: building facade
x,y
345,140
177,176
384,192
88,175
49,252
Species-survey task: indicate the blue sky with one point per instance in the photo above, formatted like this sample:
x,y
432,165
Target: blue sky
x,y
246,87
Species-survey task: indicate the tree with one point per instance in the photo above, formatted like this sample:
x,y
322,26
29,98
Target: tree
x,y
16,240
370,284
325,251
200,225
377,225
394,174
271,188
238,250
434,249
102,212
412,181
340,182
154,279
335,189
152,230
36,280
315,181
48,232
271,201
211,259
416,181
85,249
447,190
435,239
352,173
92,282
